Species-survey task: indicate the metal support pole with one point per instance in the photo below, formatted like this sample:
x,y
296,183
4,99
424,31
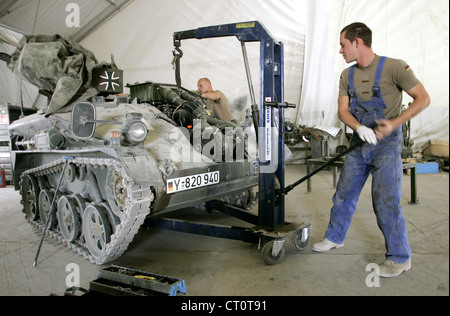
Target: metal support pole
x,y
255,108
270,207
52,208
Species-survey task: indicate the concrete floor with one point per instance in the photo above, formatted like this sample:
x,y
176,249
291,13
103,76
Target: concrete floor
x,y
219,267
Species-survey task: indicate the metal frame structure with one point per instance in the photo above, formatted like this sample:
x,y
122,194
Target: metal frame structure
x,y
269,121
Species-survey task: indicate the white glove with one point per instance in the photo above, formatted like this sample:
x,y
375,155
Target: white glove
x,y
367,135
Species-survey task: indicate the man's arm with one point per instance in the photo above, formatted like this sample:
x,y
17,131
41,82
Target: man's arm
x,y
211,96
344,113
421,102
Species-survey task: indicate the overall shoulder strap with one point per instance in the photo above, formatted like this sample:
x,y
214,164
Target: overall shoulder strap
x,y
376,85
351,79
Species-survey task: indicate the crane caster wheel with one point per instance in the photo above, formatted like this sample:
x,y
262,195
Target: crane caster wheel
x,y
300,239
273,252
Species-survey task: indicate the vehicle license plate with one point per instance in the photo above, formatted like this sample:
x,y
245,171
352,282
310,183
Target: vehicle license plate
x,y
192,182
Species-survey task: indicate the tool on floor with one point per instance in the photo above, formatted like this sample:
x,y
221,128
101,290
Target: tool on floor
x,y
121,281
52,208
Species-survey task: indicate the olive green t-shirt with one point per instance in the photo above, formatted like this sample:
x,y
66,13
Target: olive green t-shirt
x,y
397,76
221,108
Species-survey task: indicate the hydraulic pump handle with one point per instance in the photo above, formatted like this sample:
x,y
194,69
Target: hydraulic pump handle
x,y
289,188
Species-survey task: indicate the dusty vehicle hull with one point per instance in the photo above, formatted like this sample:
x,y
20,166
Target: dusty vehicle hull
x,y
108,189
91,170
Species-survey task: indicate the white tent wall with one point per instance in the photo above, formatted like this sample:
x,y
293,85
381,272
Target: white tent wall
x,y
50,16
415,31
140,37
13,90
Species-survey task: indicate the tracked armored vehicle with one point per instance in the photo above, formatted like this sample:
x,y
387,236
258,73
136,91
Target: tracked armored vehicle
x,y
114,162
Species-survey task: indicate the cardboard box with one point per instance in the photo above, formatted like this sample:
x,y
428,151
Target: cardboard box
x,y
436,147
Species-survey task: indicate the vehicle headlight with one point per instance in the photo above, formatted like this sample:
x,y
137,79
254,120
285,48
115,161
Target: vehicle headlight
x,y
134,131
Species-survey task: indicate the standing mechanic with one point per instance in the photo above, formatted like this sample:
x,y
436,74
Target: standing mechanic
x,y
370,101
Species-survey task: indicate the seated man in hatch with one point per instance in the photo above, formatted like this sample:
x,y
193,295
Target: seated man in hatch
x,y
216,101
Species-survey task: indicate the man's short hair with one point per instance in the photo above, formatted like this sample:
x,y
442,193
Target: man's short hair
x,y
359,30
205,79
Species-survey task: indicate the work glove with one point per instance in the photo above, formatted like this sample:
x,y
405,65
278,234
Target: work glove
x,y
367,135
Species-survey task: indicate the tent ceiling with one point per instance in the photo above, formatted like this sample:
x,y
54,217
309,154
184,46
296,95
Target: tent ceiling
x,y
49,16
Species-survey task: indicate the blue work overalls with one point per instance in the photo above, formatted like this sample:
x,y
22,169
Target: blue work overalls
x,y
384,162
